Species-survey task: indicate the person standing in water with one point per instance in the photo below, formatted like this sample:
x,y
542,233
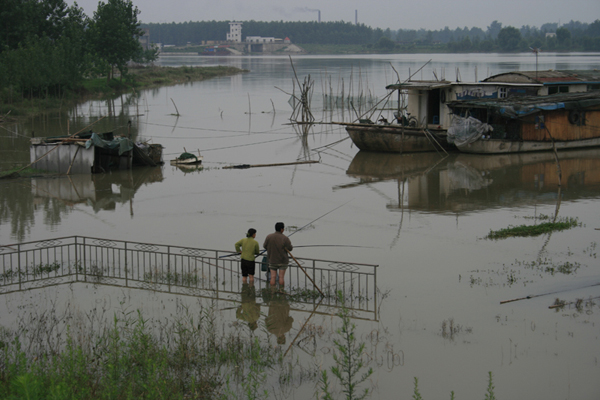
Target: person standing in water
x,y
277,246
249,249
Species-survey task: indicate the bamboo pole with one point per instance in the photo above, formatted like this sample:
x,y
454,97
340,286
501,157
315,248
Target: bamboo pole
x,y
244,166
306,273
303,326
176,110
73,160
545,294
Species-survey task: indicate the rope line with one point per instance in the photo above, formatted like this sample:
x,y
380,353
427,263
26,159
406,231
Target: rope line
x,y
240,145
210,129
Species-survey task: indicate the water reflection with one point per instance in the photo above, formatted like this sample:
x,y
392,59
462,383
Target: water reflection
x,y
278,321
99,191
57,196
249,309
464,183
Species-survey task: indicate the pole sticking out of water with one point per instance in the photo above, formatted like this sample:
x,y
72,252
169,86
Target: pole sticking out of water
x,y
545,294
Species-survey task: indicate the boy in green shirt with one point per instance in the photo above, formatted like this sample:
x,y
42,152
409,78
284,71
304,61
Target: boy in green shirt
x,y
248,248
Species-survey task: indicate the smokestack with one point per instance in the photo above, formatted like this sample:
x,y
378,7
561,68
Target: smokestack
x,y
355,17
319,11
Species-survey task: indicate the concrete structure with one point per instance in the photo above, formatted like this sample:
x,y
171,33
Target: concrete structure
x,y
145,39
260,39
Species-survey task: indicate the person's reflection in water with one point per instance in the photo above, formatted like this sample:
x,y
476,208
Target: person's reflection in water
x,y
278,322
249,310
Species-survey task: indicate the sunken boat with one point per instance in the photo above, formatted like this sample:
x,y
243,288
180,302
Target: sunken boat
x,y
91,152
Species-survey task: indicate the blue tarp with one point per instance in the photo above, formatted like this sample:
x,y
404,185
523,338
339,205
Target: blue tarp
x,y
121,143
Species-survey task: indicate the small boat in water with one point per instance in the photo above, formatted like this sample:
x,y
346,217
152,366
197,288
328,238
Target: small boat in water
x,y
526,124
187,159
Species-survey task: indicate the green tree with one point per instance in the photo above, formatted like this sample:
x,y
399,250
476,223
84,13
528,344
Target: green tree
x,y
45,52
563,36
509,38
593,29
114,35
494,29
385,43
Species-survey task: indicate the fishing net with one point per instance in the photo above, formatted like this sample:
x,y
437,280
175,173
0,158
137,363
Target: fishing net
x,y
463,131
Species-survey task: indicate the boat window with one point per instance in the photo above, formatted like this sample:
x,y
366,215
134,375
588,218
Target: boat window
x,y
558,89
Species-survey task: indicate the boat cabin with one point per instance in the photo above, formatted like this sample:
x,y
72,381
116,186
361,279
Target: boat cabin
x,y
426,101
534,123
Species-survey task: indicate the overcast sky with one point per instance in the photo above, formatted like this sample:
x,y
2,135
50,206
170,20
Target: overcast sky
x,y
393,14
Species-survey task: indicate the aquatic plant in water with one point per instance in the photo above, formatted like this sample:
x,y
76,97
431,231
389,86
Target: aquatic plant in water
x,y
533,230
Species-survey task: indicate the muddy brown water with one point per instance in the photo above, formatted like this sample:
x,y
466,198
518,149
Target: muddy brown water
x,y
422,218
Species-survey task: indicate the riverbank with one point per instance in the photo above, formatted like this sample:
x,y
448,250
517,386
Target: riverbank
x,y
141,77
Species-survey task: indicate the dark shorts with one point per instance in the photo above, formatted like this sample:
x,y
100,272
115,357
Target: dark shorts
x,y
248,267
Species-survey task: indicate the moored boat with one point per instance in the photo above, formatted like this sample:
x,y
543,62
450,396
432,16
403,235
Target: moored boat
x,y
422,118
396,138
526,124
426,108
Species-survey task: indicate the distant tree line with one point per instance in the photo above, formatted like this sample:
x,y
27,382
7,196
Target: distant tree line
x,y
48,48
180,34
573,36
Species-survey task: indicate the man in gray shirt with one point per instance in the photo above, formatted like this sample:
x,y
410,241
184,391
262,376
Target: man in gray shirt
x,y
278,245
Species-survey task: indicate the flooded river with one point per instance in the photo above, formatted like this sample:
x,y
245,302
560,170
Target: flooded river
x,y
421,218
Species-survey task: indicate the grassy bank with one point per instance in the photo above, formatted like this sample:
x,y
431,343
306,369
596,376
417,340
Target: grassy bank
x,y
148,77
137,79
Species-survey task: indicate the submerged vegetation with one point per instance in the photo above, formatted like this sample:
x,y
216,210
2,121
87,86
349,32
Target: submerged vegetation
x,y
525,272
192,355
534,230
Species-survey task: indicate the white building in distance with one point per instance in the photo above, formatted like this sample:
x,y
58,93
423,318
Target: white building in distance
x,y
235,32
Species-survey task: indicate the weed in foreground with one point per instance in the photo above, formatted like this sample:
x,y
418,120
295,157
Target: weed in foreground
x,y
348,359
129,357
489,394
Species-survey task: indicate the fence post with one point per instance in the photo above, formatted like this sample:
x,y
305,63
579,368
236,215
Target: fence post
x,y
84,262
126,266
169,267
76,260
19,265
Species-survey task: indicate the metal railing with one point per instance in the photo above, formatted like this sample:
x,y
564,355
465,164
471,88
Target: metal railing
x,y
181,270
